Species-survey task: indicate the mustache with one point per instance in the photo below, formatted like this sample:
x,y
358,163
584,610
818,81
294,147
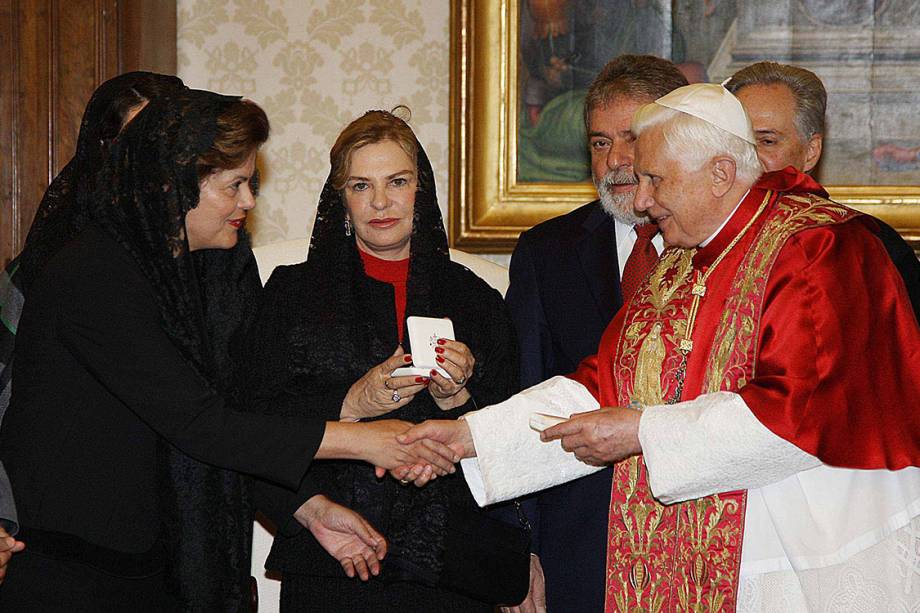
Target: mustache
x,y
619,177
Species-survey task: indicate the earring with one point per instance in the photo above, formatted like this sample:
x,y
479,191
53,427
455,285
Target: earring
x,y
347,227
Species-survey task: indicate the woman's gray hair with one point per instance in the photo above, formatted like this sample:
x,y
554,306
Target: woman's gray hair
x,y
807,90
694,142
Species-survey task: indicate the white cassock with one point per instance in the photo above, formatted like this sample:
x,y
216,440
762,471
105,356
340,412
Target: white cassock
x,y
816,538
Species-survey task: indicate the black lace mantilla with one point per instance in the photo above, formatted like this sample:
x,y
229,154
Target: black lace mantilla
x,y
147,186
62,213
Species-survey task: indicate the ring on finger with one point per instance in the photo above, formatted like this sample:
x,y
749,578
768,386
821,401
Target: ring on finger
x,y
386,383
461,380
404,481
396,397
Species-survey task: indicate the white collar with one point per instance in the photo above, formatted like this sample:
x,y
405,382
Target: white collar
x,y
724,223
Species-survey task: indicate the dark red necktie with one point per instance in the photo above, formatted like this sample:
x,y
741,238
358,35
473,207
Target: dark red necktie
x,y
640,261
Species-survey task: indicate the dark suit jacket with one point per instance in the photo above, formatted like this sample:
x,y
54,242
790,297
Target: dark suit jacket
x,y
98,381
905,260
565,289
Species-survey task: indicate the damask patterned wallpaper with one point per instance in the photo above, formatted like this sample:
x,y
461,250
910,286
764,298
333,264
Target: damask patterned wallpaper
x,y
314,65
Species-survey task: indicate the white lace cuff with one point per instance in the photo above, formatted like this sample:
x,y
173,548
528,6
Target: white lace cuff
x,y
511,460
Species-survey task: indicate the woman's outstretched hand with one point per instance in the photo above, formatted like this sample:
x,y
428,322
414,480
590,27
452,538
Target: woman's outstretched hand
x,y
375,442
377,392
345,535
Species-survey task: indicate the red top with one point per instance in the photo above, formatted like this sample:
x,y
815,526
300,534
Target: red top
x,y
394,272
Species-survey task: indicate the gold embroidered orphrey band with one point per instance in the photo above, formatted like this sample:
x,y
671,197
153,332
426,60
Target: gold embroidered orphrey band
x,y
686,556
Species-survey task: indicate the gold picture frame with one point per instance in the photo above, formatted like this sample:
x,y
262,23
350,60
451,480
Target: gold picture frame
x,y
489,208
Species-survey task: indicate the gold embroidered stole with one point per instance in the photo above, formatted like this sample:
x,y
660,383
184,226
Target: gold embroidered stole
x,y
735,341
686,556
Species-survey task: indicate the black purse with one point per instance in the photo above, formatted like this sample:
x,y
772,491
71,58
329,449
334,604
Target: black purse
x,y
485,559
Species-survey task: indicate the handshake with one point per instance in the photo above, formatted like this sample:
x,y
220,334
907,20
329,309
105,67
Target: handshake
x,y
423,452
417,453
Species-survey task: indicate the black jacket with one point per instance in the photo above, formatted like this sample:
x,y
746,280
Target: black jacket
x,y
97,382
904,259
309,345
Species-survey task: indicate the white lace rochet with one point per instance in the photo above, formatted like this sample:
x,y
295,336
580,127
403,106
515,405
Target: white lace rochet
x,y
816,538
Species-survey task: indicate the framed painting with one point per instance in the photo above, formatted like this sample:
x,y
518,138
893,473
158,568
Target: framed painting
x,y
520,68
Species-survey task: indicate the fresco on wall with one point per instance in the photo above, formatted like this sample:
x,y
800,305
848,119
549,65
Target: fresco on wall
x,y
867,52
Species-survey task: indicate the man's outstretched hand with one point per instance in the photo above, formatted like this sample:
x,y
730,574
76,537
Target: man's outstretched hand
x,y
437,434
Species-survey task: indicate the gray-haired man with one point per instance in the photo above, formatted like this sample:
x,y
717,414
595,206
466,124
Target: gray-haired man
x,y
787,106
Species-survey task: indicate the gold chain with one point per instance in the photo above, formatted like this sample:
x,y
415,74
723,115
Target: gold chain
x,y
699,286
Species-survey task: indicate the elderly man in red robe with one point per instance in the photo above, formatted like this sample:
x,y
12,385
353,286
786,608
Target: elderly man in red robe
x,y
760,396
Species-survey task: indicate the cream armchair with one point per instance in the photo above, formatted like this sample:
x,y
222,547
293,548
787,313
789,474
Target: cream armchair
x,y
291,252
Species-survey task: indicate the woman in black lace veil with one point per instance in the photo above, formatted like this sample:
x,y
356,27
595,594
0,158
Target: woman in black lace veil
x,y
60,217
126,459
62,213
323,345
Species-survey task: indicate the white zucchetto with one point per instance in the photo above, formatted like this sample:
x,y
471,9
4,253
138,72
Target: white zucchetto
x,y
713,104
